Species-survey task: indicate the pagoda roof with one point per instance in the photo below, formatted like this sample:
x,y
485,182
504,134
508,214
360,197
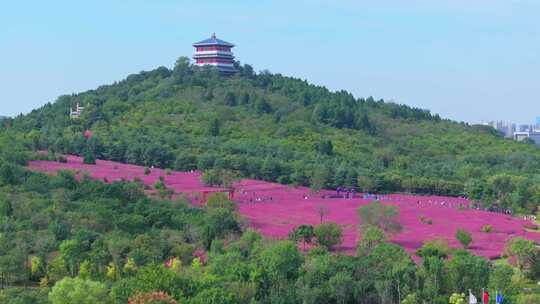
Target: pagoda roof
x,y
213,41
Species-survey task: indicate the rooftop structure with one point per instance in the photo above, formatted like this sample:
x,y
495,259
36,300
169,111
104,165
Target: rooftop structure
x,y
215,52
76,112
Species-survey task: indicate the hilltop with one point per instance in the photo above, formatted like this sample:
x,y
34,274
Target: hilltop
x,y
277,128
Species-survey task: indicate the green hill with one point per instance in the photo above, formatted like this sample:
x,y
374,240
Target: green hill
x,y
65,240
278,128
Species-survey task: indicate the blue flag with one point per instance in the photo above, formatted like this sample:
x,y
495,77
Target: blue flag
x,y
499,298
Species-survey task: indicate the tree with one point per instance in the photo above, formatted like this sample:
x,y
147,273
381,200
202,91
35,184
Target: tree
x,y
130,267
71,252
219,222
522,250
5,207
214,127
465,271
156,297
328,235
319,179
381,216
431,277
149,278
262,106
56,269
394,272
185,162
230,99
365,124
326,147
438,248
322,210
244,99
340,287
367,183
76,290
371,237
464,237
278,265
85,270
304,233
218,177
214,295
499,278
89,156
220,200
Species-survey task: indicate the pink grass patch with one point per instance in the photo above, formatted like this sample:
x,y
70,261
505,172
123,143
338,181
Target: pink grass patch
x,y
275,209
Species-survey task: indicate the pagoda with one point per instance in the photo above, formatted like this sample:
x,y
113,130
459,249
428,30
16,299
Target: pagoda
x,y
215,52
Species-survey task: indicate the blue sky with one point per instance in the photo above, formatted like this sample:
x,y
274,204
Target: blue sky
x,y
466,60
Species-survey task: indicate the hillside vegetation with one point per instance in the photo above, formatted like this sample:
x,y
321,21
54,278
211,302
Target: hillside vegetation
x,y
64,240
277,128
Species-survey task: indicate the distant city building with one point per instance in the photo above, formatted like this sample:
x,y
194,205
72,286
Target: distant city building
x,y
517,132
535,136
76,112
215,52
507,129
523,128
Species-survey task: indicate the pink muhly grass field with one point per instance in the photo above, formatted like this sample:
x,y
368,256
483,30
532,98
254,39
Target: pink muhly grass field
x,y
275,209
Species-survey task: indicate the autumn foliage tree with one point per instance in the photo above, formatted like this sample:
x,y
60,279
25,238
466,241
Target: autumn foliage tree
x,y
156,297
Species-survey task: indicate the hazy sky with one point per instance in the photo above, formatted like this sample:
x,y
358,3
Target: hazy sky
x,y
466,60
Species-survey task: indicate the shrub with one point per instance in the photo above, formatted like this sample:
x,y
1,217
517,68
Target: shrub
x,y
89,158
438,247
328,235
146,171
464,237
382,216
528,298
76,290
218,177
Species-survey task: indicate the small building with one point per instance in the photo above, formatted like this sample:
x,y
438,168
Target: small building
x,y
76,112
521,136
215,52
533,136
